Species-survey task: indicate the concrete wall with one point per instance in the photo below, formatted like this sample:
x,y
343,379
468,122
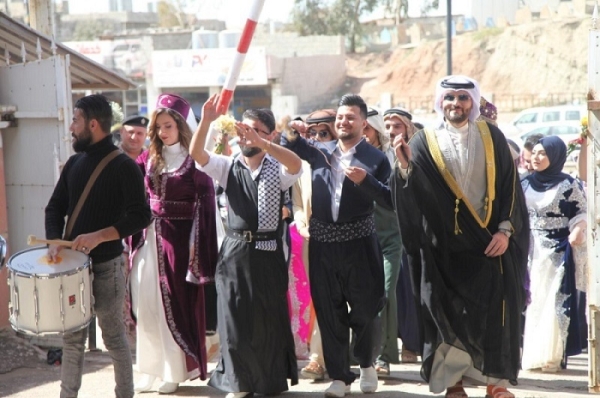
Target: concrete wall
x,y
284,45
314,80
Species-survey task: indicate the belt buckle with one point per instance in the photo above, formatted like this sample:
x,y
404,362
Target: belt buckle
x,y
247,236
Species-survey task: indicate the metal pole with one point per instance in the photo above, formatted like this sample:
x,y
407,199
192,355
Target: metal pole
x,y
449,37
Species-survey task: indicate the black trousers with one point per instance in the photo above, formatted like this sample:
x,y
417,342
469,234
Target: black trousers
x,y
342,275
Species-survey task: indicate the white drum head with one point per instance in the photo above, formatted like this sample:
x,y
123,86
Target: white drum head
x,y
34,261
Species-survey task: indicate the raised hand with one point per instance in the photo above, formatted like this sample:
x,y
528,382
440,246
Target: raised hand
x,y
249,136
298,125
402,151
211,110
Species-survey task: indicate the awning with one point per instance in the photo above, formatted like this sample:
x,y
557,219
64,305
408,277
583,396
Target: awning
x,y
85,73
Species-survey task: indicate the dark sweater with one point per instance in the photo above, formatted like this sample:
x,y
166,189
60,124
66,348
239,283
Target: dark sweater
x,y
117,199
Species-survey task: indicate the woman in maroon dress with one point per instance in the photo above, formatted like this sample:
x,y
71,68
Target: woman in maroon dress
x,y
177,257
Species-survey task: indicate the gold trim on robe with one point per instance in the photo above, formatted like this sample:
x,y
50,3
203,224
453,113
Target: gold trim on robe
x,y
490,164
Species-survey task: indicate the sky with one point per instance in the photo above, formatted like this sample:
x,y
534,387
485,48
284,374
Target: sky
x,y
278,10
234,12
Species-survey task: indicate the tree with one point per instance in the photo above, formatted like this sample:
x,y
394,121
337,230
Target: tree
x,y
171,13
336,17
397,8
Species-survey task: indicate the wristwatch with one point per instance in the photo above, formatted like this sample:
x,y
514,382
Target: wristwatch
x,y
505,232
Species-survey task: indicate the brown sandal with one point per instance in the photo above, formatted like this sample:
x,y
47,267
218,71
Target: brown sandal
x,y
494,391
408,356
313,371
456,391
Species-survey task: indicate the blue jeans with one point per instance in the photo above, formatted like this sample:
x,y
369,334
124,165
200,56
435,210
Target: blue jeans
x,y
109,295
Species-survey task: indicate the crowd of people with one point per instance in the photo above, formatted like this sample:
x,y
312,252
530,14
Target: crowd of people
x,y
346,233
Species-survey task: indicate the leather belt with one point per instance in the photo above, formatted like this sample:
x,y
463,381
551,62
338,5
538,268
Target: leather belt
x,y
250,236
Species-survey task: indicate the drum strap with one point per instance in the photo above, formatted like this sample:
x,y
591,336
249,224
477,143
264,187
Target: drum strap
x,y
88,187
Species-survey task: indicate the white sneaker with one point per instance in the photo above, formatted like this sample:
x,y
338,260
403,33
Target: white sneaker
x,y
167,387
368,380
337,389
237,394
145,383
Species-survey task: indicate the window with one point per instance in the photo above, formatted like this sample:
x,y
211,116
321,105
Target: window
x,y
527,118
551,116
572,115
565,130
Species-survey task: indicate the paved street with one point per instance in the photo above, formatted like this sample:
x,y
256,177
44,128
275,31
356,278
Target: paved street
x,y
39,380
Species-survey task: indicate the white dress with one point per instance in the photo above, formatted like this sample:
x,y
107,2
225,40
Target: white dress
x,y
553,214
157,353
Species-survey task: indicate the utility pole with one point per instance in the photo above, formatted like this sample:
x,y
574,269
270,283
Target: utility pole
x,y
448,37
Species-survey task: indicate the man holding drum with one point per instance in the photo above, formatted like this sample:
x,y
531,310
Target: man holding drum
x,y
115,208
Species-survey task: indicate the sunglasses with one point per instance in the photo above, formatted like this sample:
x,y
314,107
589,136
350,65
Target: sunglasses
x,y
461,97
322,133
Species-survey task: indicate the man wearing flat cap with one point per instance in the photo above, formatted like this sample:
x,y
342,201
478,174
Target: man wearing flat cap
x,y
133,135
465,228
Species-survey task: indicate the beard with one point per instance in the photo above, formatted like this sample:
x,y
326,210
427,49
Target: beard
x,y
346,135
457,118
250,151
83,141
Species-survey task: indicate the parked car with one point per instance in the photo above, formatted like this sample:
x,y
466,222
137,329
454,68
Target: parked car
x,y
534,117
567,132
129,57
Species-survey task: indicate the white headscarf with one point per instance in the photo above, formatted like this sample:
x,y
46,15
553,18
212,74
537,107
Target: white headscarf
x,y
454,83
376,121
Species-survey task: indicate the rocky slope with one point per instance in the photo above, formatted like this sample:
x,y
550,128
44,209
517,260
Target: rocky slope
x,y
539,59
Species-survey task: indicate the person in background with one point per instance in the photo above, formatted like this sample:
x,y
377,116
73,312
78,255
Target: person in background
x,y
398,121
257,346
133,135
346,264
115,208
178,256
321,129
530,142
558,260
488,112
464,225
386,225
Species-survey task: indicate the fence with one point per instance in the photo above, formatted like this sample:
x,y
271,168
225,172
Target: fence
x,y
504,102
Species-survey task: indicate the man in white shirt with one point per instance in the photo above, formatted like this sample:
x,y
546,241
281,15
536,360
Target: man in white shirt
x,y
257,346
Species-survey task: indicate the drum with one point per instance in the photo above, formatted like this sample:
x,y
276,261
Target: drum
x,y
49,299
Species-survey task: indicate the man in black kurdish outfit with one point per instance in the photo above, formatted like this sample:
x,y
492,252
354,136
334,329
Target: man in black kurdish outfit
x,y
257,346
346,263
464,226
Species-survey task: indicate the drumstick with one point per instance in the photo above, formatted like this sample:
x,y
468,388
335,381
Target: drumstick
x,y
33,240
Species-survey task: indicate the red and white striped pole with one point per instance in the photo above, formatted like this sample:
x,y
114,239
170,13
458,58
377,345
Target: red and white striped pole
x,y
242,49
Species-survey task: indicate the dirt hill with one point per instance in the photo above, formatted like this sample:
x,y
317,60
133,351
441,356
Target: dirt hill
x,y
538,59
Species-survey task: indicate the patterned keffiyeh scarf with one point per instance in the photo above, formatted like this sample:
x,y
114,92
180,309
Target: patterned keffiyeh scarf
x,y
269,201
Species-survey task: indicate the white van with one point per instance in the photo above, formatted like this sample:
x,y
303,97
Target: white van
x,y
532,117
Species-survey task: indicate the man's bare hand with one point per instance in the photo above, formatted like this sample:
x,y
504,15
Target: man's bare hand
x,y
53,251
298,125
211,109
497,246
402,151
87,242
355,174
